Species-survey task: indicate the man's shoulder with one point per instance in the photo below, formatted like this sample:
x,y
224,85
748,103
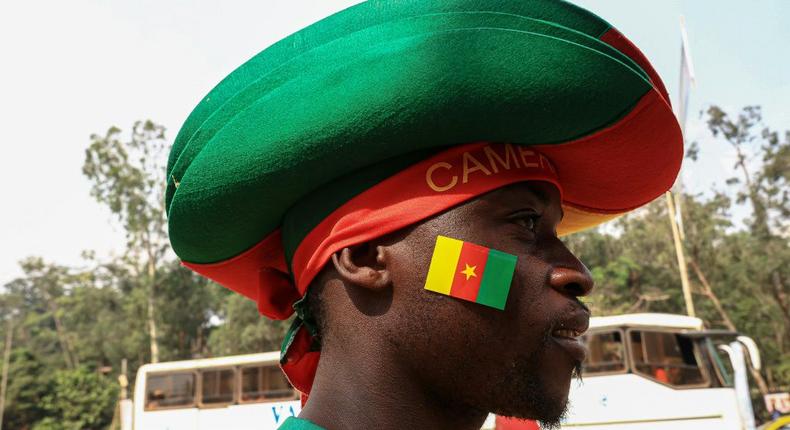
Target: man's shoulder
x,y
293,423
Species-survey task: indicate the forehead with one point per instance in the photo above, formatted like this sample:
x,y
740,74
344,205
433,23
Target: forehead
x,y
521,193
533,195
538,196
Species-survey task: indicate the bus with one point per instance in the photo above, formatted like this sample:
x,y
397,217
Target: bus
x,y
659,371
643,372
242,392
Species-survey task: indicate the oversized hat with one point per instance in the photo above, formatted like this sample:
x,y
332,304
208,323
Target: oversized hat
x,y
357,125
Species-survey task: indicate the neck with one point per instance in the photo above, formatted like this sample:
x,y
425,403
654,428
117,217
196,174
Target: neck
x,y
369,389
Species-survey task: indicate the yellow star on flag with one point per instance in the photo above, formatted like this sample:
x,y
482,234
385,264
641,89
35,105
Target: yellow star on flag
x,y
469,271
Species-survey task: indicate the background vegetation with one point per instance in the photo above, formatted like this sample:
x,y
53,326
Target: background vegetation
x,y
66,330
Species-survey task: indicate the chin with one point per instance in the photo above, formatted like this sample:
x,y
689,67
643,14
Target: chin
x,y
533,397
550,415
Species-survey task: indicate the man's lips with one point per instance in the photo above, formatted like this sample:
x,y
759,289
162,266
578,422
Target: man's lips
x,y
568,333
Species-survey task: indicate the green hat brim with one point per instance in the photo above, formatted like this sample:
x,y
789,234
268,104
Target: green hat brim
x,y
344,49
359,17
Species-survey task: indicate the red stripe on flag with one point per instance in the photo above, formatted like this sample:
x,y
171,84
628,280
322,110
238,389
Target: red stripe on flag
x,y
469,271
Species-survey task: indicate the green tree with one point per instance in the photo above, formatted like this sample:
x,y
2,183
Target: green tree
x,y
633,265
40,326
762,181
128,177
79,399
739,272
243,330
28,382
187,303
106,318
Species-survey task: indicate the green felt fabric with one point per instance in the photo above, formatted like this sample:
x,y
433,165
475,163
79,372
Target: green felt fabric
x,y
290,124
369,14
343,49
293,423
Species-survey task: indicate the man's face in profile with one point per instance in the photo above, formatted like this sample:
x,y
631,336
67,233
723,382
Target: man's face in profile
x,y
516,362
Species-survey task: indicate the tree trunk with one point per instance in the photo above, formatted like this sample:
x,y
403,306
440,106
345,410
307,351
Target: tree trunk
x,y
780,295
151,321
756,375
708,291
68,355
9,337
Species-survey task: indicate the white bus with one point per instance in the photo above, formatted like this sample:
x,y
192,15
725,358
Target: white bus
x,y
238,392
660,371
644,372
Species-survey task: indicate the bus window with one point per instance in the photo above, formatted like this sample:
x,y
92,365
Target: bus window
x,y
170,390
666,357
720,364
217,386
605,353
263,384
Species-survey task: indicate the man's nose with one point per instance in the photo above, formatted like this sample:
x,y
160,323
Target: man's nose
x,y
571,281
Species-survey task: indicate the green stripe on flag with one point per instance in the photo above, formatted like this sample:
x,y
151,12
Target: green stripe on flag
x,y
495,284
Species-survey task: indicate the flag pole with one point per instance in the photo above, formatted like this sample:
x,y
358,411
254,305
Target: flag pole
x,y
684,276
9,338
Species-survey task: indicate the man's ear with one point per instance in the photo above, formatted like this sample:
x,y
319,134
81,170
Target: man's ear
x,y
368,271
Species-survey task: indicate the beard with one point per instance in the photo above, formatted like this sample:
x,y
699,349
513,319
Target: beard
x,y
526,389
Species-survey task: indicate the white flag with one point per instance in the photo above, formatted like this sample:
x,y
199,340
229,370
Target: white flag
x,y
681,111
686,76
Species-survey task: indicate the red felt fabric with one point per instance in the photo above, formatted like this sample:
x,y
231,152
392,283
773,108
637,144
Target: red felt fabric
x,y
260,274
616,169
300,363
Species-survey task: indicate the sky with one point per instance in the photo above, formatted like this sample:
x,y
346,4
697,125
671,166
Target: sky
x,y
71,69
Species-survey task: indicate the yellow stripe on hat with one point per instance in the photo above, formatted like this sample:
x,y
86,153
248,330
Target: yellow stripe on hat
x,y
576,219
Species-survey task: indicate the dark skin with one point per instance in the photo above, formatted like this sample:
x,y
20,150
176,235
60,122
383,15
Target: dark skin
x,y
396,356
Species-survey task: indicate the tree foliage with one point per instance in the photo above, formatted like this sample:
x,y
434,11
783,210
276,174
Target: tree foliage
x,y
78,399
244,330
128,176
28,384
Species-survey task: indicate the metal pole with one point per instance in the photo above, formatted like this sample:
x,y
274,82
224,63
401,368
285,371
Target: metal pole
x,y
684,276
9,337
124,381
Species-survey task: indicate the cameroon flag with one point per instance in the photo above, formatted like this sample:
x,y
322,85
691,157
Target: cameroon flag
x,y
470,272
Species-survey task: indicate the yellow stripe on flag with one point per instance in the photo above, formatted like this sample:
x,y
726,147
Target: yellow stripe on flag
x,y
443,262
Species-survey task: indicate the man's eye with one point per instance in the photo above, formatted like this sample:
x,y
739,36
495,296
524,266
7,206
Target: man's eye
x,y
528,222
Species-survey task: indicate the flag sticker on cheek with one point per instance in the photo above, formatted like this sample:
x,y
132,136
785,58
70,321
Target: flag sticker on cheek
x,y
471,272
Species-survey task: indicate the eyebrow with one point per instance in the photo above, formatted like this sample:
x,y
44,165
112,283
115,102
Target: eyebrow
x,y
544,198
540,195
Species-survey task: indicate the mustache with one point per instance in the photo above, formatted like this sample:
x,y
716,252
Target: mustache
x,y
556,320
581,304
578,366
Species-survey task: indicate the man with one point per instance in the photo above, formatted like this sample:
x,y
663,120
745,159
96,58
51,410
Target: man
x,y
397,175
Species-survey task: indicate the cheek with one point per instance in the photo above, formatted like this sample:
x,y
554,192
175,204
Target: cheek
x,y
434,331
530,288
435,325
